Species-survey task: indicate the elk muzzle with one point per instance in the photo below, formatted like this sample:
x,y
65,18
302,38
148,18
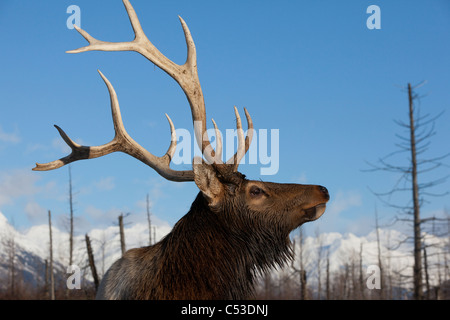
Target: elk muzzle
x,y
315,212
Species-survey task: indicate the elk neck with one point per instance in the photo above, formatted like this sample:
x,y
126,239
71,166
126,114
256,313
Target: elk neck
x,y
219,253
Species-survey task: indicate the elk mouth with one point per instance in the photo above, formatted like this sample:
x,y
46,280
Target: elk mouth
x,y
315,212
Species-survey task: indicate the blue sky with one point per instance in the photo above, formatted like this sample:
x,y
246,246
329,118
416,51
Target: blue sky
x,y
311,69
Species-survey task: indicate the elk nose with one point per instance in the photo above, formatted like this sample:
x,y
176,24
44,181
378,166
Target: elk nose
x,y
324,191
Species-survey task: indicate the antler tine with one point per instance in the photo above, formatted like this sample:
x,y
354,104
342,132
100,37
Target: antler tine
x,y
191,59
250,131
121,142
173,139
243,144
78,152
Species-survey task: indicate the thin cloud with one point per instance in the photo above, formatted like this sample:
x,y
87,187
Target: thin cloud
x,y
302,179
336,218
16,184
105,184
9,137
35,212
344,201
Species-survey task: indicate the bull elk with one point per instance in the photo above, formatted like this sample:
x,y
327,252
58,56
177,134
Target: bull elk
x,y
235,229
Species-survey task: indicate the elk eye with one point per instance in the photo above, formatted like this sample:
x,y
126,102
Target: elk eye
x,y
255,191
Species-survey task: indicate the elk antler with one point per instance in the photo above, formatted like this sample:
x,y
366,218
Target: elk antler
x,y
121,142
186,76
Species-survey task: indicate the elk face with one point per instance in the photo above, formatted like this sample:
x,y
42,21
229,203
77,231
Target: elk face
x,y
294,203
286,205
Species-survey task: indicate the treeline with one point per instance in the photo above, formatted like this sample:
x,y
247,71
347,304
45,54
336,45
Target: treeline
x,y
28,276
310,277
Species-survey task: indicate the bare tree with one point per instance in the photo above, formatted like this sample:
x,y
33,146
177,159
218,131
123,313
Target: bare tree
x,y
361,273
327,284
301,261
10,248
91,261
420,128
52,279
434,259
427,276
70,218
380,258
103,243
149,222
446,276
320,252
47,277
122,233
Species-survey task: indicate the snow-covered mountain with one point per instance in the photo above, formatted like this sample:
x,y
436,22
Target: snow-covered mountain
x,y
31,249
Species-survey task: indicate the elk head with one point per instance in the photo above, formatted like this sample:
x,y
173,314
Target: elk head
x,y
236,227
290,205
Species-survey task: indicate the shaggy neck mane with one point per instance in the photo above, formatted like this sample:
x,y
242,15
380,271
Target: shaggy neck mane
x,y
216,255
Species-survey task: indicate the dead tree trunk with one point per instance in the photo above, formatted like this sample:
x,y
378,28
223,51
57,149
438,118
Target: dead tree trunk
x,y
328,294
418,291
301,270
52,279
420,128
427,277
380,260
92,262
361,273
122,235
149,222
70,218
303,285
46,283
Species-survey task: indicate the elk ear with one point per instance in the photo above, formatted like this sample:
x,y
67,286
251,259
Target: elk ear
x,y
206,180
